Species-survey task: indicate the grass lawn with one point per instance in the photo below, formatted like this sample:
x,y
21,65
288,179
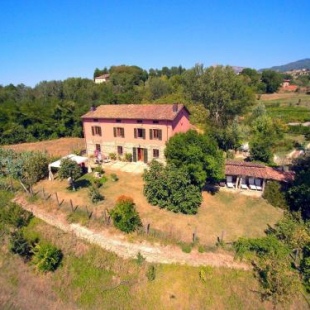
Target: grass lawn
x,y
231,215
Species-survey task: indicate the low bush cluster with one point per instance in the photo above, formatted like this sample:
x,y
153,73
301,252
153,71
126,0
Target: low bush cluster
x,y
124,215
44,256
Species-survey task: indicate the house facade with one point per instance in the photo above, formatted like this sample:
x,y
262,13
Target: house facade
x,y
102,78
140,131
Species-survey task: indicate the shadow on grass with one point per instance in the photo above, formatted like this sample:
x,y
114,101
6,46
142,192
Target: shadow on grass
x,y
211,188
82,183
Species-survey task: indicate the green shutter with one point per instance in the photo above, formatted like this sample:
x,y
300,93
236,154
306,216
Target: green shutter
x,y
114,131
134,154
145,155
135,132
160,134
143,133
151,134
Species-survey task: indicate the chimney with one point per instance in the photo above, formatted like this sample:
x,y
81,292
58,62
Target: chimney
x,y
93,108
175,107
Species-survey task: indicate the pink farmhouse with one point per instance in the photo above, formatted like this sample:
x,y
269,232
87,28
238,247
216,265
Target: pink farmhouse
x,y
137,129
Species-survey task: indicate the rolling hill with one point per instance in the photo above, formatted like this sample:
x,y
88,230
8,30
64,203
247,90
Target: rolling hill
x,y
296,65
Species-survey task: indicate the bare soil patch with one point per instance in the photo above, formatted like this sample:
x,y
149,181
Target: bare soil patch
x,y
57,148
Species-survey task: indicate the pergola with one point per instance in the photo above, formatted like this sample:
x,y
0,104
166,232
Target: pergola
x,y
57,164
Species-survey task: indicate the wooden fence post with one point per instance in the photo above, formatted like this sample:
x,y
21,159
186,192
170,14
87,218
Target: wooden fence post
x,y
71,204
59,202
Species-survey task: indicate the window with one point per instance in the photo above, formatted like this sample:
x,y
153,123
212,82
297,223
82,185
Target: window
x,y
139,121
119,132
118,121
120,150
139,133
95,119
155,134
98,147
155,153
155,122
96,130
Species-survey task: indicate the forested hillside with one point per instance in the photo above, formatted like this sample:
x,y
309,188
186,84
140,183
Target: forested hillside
x,y
52,109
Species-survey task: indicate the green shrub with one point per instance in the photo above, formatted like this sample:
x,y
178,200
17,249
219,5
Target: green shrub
x,y
274,194
46,257
13,215
201,248
99,182
186,247
128,157
112,156
140,259
19,245
69,168
99,169
124,215
305,267
151,273
230,154
114,177
95,195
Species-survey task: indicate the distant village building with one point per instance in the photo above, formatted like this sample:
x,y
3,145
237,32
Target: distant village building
x,y
139,131
286,86
102,78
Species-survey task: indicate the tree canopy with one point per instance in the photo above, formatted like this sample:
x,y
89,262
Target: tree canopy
x,y
220,90
198,154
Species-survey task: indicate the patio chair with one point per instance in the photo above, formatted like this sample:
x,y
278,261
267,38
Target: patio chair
x,y
252,183
229,182
258,184
243,184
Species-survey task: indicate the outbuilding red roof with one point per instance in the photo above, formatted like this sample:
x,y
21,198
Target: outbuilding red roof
x,y
137,111
240,168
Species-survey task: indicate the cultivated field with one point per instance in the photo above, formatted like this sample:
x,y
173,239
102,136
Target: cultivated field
x,y
289,107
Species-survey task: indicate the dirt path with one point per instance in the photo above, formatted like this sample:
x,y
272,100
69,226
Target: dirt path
x,y
115,243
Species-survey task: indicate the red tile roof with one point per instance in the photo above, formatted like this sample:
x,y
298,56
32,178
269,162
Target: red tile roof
x,y
104,76
239,168
137,111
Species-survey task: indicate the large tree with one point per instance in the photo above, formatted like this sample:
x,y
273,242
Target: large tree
x,y
299,193
198,154
221,91
171,188
272,80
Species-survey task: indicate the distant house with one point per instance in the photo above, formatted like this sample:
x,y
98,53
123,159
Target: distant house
x,y
139,130
286,86
102,78
286,83
253,176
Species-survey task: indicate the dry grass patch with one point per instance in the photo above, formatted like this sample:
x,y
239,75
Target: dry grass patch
x,y
56,148
228,214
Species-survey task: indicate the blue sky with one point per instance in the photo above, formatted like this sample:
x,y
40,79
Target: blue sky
x,y
53,40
